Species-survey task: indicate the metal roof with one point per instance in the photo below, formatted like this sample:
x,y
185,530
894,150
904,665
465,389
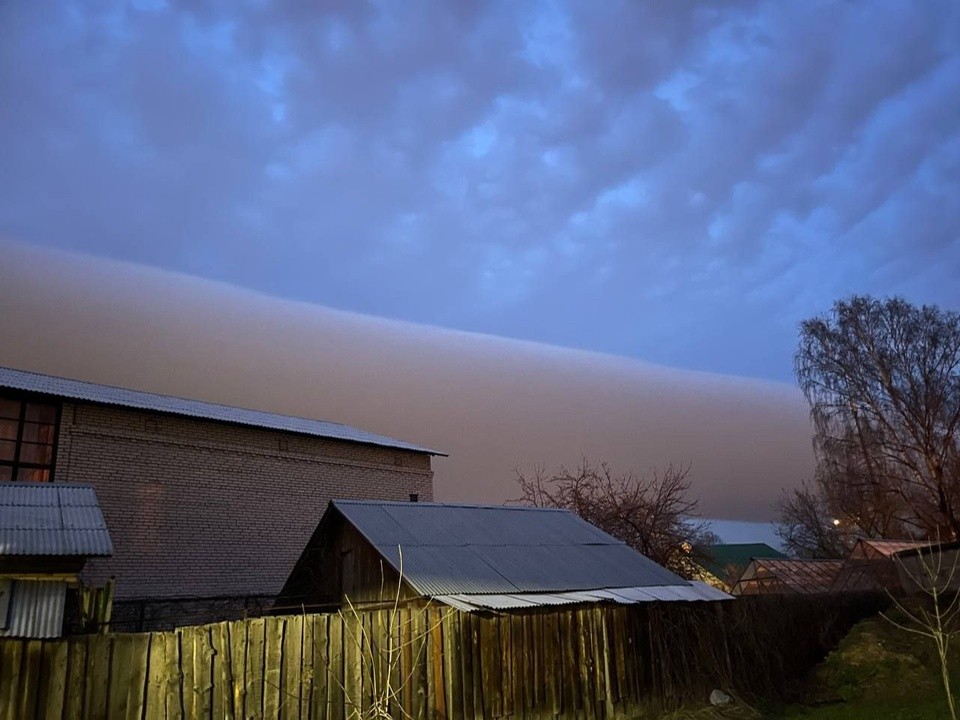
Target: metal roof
x,y
108,395
690,592
52,519
720,559
452,550
36,609
868,549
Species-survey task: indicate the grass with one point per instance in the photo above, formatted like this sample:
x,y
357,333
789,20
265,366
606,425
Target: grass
x,y
915,709
877,672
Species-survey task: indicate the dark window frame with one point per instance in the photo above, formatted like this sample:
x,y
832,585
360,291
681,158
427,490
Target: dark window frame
x,y
16,465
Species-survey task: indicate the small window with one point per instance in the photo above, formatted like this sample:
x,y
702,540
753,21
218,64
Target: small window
x,y
28,439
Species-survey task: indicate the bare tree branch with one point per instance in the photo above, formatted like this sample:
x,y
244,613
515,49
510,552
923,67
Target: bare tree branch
x,y
654,514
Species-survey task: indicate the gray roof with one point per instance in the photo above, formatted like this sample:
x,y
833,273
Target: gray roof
x,y
108,395
481,549
51,519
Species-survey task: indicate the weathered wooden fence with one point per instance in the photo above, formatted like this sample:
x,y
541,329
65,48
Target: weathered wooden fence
x,y
591,663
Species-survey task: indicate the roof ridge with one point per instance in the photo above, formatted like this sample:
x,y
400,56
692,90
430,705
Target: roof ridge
x,y
84,390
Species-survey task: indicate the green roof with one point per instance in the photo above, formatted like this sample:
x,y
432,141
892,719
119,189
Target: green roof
x,y
718,558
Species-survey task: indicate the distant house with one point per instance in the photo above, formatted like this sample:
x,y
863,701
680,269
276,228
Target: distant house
x,y
871,565
473,557
787,577
723,564
47,534
917,567
203,501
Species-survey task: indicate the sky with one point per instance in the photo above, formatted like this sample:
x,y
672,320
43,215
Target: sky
x,y
677,183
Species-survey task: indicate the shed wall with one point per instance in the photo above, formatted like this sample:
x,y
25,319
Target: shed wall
x,y
204,508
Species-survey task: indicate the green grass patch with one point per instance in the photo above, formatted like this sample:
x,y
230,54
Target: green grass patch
x,y
877,672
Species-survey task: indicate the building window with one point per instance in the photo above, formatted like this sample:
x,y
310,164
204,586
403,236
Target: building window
x,y
28,439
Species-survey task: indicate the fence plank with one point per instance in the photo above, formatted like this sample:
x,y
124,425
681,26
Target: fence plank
x,y
29,679
451,665
128,670
291,668
237,635
336,706
605,653
320,651
436,695
196,663
506,663
97,677
222,672
307,674
273,654
518,665
53,680
368,661
76,677
381,648
585,660
352,659
466,667
255,668
11,658
156,693
175,679
419,632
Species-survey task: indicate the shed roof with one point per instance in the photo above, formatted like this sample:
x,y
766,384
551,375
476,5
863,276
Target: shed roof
x,y
52,519
449,551
866,548
718,558
805,577
108,395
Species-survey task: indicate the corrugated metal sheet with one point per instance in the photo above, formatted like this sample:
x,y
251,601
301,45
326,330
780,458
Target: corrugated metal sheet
x,y
36,609
105,394
482,549
390,523
52,519
688,592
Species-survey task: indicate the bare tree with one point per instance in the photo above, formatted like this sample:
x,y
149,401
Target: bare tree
x,y
808,529
936,617
654,514
883,382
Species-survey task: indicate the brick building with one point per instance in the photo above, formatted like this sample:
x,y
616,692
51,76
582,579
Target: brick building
x,y
201,500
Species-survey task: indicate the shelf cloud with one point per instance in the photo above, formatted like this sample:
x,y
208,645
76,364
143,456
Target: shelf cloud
x,y
493,404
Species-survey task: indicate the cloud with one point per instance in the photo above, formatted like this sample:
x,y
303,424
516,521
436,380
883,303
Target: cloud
x,y
680,182
493,404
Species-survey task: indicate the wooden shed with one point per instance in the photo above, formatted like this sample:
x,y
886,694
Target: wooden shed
x,y
47,533
472,557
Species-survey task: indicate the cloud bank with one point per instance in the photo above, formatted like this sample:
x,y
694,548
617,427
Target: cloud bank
x,y
493,404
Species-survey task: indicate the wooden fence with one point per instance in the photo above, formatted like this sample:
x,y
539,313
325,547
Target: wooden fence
x,y
592,663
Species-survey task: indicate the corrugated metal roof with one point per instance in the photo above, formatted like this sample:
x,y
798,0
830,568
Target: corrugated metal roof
x,y
52,519
36,609
720,560
688,592
482,549
107,395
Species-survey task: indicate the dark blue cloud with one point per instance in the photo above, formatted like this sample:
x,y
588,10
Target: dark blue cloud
x,y
679,182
